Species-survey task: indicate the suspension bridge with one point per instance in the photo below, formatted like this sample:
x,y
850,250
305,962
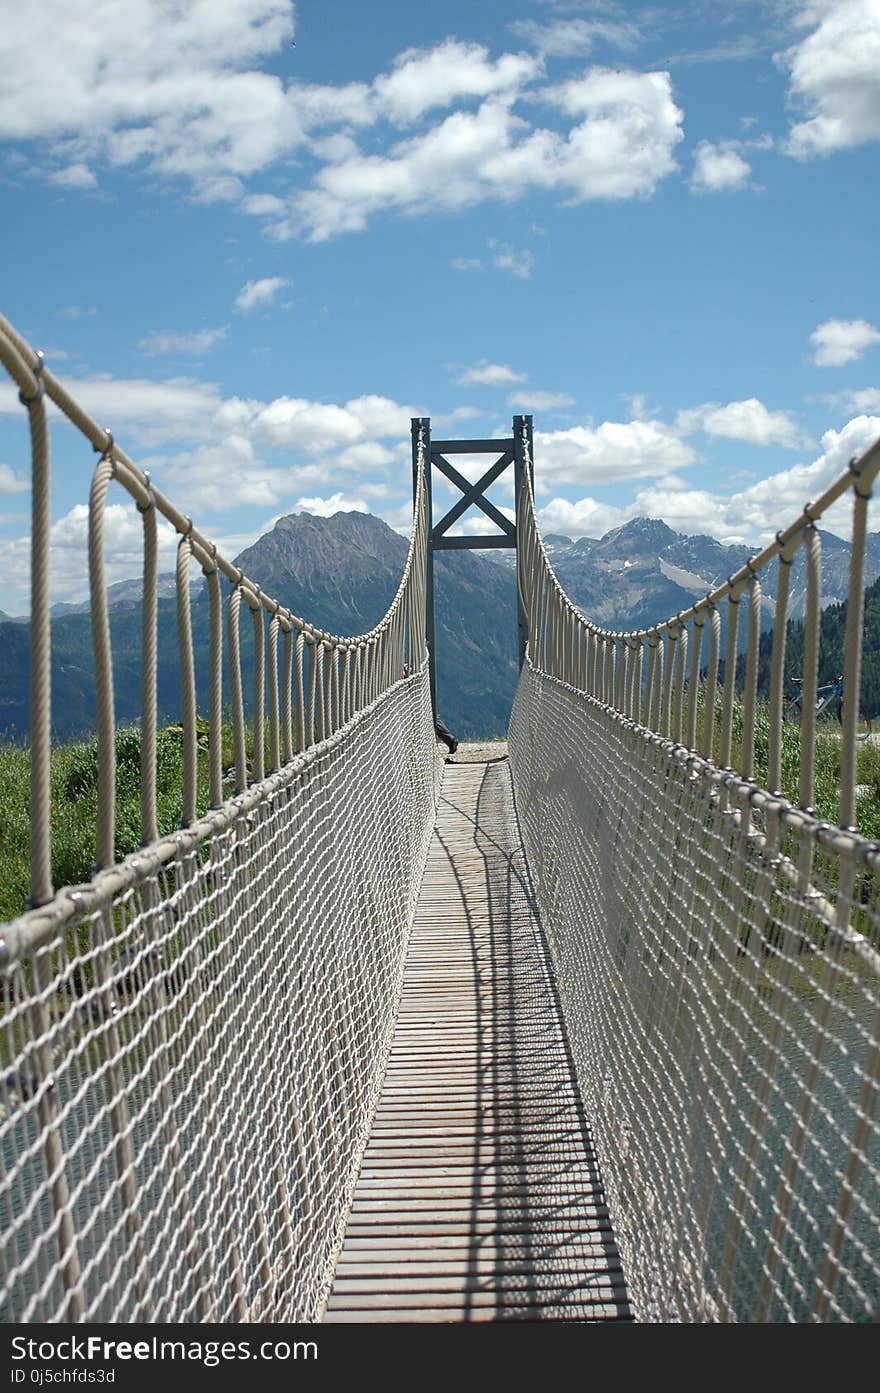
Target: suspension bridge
x,y
583,1026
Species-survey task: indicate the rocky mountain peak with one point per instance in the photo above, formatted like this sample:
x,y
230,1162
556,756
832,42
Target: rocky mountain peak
x,y
640,537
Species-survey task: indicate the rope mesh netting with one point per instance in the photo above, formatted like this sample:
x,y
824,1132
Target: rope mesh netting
x,y
209,1102
726,1057
192,1042
716,950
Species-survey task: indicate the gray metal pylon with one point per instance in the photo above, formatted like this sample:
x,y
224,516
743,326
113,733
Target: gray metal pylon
x,y
423,424
510,452
522,429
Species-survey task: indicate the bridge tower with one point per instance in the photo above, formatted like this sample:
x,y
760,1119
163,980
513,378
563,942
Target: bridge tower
x,y
509,451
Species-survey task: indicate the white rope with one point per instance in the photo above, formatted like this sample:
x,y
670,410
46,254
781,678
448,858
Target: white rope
x,y
717,948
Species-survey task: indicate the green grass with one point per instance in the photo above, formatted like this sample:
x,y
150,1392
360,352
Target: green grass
x,y
74,781
826,798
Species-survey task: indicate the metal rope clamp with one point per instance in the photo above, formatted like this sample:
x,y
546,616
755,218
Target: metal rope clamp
x,y
37,371
857,475
105,450
151,500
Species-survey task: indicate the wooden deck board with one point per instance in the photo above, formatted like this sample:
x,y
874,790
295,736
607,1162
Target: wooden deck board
x,y
479,1196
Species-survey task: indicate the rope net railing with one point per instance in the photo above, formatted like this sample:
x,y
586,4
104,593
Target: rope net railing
x,y
193,1039
717,944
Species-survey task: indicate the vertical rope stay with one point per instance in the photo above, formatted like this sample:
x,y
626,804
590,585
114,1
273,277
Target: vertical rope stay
x,y
313,732
287,717
259,755
678,697
149,644
777,672
321,731
215,716
31,397
810,677
655,680
670,669
620,655
750,685
711,682
694,679
274,705
105,840
729,686
187,684
238,727
852,669
301,737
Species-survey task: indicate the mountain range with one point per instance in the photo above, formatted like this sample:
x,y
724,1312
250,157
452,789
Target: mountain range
x,y
643,571
342,572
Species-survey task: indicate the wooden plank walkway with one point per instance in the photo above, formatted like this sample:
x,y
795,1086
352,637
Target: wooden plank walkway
x,y
479,1197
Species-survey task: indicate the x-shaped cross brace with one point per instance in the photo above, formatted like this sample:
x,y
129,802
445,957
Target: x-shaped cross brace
x,y
473,493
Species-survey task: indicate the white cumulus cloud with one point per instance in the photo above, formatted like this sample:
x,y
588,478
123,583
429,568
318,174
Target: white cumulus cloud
x,y
719,168
753,514
262,205
624,144
262,292
748,420
834,77
381,416
863,401
221,475
183,92
306,425
426,78
178,408
585,518
214,464
840,341
488,374
326,507
756,513
173,86
621,145
367,455
611,452
69,542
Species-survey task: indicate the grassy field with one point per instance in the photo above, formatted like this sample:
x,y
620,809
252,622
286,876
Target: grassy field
x,y
75,806
75,796
827,794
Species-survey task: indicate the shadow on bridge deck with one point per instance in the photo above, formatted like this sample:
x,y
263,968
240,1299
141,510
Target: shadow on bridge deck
x,y
479,1197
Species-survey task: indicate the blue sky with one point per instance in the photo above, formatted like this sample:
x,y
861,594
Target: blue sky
x,y
256,237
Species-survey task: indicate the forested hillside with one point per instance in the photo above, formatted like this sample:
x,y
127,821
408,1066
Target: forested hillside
x,y
832,632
